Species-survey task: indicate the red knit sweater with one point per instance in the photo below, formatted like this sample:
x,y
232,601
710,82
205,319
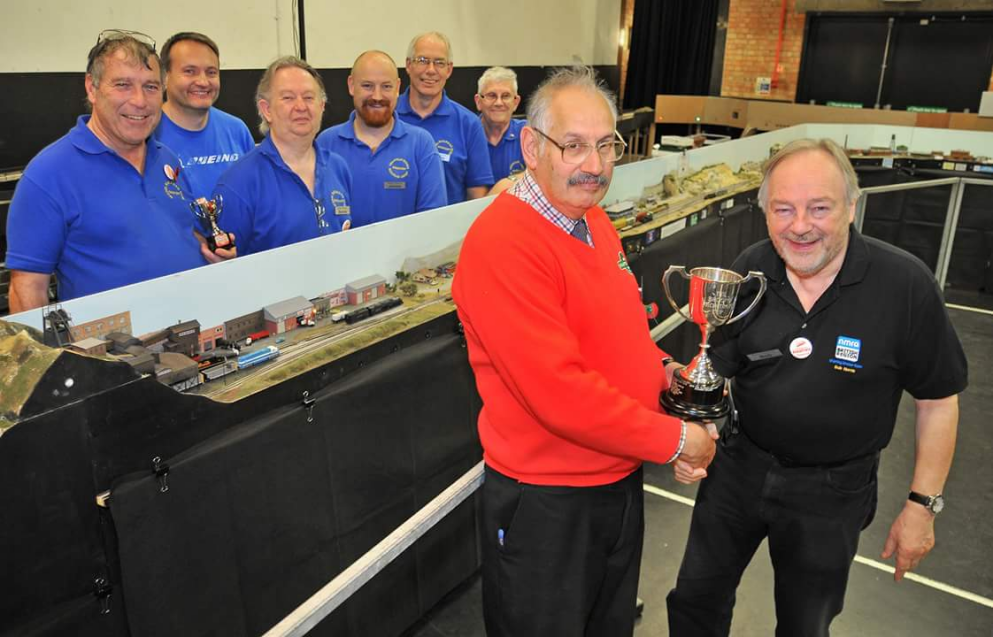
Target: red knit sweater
x,y
559,343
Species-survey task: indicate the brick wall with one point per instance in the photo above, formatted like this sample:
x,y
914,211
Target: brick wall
x,y
753,30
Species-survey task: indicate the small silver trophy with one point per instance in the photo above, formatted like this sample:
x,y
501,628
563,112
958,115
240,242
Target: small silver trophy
x,y
208,210
697,391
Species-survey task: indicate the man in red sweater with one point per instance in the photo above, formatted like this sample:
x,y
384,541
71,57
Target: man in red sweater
x,y
570,381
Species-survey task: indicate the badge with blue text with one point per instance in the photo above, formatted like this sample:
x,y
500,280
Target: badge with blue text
x,y
445,149
847,352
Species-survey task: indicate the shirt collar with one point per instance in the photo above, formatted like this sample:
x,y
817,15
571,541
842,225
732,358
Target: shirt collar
x,y
509,135
85,140
268,148
444,109
527,190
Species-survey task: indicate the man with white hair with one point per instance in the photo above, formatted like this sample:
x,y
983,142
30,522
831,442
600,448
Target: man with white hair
x,y
570,409
457,133
496,101
847,325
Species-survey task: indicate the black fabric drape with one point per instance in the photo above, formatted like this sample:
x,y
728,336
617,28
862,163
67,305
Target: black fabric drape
x,y
672,49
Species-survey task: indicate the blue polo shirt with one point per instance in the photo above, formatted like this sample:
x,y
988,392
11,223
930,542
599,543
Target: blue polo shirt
x,y
266,205
506,156
459,140
207,153
402,177
83,212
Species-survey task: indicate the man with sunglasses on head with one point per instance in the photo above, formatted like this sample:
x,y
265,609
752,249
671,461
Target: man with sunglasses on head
x,y
570,382
104,206
207,139
496,102
457,133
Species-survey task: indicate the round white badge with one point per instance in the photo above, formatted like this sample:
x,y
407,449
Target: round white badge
x,y
801,348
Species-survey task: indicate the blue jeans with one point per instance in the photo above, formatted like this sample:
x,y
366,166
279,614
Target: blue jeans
x,y
812,516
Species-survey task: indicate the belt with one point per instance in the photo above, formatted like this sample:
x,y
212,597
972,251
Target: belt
x,y
790,463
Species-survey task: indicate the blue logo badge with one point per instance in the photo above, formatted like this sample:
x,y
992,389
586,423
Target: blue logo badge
x,y
848,349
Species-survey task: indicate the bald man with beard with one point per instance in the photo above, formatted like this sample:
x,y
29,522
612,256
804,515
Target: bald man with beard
x,y
396,170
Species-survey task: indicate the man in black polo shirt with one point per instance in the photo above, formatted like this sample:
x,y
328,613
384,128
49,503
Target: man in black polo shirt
x,y
847,325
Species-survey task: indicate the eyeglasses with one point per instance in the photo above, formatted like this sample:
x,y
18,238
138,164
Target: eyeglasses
x,y
490,98
422,62
109,35
577,152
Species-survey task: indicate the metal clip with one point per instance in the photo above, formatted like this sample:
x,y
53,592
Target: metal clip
x,y
309,403
161,470
101,590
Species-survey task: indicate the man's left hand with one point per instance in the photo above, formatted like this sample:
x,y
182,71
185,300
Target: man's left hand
x,y
911,538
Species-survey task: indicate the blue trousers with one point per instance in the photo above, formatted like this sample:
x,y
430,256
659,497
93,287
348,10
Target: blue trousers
x,y
812,517
561,561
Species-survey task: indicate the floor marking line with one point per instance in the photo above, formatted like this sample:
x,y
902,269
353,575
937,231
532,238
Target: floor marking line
x,y
914,577
966,308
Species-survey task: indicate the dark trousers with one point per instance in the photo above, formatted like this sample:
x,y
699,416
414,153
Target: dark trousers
x,y
812,517
561,560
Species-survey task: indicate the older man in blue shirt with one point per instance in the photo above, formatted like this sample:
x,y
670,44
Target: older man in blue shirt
x,y
287,189
457,133
395,168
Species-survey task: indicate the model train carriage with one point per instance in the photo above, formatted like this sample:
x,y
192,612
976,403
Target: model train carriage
x,y
258,357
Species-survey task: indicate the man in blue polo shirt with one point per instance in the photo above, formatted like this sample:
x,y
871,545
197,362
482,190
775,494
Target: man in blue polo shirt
x,y
102,207
286,189
395,168
457,133
206,139
496,101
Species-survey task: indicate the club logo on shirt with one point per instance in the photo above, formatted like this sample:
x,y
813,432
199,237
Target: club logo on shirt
x,y
339,202
622,263
445,149
399,168
171,186
847,351
516,166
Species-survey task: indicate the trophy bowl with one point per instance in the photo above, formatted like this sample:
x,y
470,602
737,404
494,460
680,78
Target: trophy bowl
x,y
697,390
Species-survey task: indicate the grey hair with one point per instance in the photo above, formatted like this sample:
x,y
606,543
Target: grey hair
x,y
434,34
836,152
134,51
582,77
496,74
265,84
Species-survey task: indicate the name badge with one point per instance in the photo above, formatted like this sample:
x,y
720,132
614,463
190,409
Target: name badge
x,y
342,210
445,157
395,185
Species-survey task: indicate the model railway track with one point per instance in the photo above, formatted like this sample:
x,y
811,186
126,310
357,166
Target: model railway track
x,y
309,345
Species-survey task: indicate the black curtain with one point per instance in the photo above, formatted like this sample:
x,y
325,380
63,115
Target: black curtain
x,y
672,49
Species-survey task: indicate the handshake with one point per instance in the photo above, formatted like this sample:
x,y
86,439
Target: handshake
x,y
698,447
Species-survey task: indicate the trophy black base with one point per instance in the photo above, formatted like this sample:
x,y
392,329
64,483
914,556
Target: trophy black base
x,y
695,404
223,241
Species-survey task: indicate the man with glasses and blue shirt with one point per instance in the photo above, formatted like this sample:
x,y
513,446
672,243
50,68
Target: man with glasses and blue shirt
x,y
104,206
395,168
570,409
457,133
496,102
287,189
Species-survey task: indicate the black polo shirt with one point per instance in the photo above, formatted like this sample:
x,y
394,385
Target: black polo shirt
x,y
824,386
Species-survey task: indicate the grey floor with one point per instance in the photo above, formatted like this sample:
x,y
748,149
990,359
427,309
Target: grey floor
x,y
875,606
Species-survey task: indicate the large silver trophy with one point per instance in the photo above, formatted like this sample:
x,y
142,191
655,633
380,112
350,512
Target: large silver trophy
x,y
697,391
208,210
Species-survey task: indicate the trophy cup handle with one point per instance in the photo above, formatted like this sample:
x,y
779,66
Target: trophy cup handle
x,y
665,286
752,274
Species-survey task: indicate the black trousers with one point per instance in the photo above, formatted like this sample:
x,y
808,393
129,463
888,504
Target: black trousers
x,y
812,516
561,560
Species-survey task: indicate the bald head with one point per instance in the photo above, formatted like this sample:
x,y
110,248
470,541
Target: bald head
x,y
374,86
375,59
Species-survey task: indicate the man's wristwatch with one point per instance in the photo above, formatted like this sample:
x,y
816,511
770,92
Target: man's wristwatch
x,y
933,503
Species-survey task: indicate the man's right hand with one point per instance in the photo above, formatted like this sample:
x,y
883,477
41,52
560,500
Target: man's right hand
x,y
698,452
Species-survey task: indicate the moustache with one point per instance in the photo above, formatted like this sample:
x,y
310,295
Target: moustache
x,y
373,103
589,178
